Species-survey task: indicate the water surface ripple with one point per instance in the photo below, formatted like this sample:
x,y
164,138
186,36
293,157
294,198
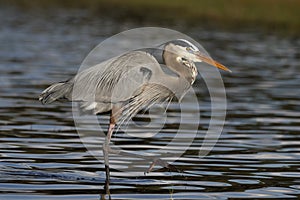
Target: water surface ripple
x,y
42,157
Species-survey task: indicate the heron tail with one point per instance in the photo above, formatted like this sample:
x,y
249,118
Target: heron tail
x,y
54,92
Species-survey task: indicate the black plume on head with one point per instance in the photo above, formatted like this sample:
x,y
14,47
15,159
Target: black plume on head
x,y
183,43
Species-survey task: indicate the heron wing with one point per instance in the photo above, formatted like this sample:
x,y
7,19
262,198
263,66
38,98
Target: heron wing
x,y
115,80
145,97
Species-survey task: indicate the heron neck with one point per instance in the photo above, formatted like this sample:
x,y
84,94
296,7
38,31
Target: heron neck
x,y
156,53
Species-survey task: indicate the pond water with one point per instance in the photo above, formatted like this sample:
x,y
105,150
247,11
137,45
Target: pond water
x,y
42,156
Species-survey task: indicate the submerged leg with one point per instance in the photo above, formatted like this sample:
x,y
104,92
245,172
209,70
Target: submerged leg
x,y
158,161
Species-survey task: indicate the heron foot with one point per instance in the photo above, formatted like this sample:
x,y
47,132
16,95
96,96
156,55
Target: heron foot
x,y
158,161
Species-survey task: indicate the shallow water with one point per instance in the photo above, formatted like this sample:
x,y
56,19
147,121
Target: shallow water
x,y
42,156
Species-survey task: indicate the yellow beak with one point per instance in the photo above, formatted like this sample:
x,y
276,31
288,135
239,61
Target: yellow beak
x,y
211,62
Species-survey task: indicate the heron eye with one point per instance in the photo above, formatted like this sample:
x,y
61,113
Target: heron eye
x,y
183,59
189,49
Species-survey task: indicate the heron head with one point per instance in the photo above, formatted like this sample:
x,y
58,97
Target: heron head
x,y
187,54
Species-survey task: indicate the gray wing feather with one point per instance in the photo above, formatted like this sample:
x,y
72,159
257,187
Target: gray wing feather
x,y
112,81
145,97
115,80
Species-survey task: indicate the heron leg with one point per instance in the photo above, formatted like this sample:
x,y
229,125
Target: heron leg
x,y
106,157
106,149
158,161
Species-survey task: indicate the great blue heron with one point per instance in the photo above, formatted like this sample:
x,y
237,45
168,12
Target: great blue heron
x,y
135,80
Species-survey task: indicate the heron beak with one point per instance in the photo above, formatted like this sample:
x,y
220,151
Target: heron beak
x,y
203,58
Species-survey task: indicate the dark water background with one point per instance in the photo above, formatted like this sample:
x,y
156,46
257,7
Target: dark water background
x,y
42,157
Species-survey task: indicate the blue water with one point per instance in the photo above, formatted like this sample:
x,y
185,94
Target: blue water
x,y
42,157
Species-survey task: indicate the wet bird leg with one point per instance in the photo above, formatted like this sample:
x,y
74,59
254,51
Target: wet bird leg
x,y
115,112
158,161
